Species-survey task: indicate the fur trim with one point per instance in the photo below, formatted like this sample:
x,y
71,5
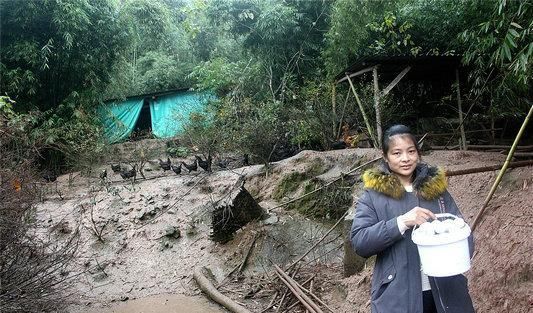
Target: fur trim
x,y
382,182
430,182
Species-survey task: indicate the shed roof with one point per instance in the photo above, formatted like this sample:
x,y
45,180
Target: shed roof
x,y
151,94
422,67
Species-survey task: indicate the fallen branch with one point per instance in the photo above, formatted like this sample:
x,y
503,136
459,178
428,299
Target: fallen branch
x,y
502,147
488,168
326,185
502,171
522,154
213,293
318,242
296,291
239,266
296,302
245,260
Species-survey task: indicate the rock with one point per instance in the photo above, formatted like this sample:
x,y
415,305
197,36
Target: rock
x,y
165,205
273,219
171,211
172,232
124,298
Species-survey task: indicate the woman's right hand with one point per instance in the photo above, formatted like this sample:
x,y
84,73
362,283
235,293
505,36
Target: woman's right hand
x,y
417,216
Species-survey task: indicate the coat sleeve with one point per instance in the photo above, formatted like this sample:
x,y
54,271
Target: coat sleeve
x,y
451,207
370,235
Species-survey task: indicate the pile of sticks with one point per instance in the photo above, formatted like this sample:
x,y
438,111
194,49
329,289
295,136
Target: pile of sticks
x,y
301,294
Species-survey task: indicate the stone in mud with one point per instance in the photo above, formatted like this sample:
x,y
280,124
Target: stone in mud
x,y
172,232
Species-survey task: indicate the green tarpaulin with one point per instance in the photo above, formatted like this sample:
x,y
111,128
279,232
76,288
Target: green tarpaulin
x,y
119,118
168,112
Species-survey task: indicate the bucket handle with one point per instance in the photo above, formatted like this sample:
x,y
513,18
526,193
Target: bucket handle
x,y
440,216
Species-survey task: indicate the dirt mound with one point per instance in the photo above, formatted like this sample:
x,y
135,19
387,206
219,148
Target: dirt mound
x,y
136,257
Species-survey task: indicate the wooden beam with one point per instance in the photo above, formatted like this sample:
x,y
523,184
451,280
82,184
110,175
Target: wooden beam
x,y
367,122
348,76
488,168
395,81
376,106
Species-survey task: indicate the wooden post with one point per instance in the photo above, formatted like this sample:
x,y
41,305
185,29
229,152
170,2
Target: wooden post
x,y
342,115
460,108
370,132
334,106
376,106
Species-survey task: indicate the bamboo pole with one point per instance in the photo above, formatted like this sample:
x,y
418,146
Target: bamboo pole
x,y
488,168
502,171
363,112
460,108
297,291
297,294
376,105
334,104
318,242
342,115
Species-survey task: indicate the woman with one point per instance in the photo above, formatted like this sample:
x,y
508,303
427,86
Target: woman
x,y
400,194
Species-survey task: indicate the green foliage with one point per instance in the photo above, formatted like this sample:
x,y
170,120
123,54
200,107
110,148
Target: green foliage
x,y
393,37
500,51
348,36
52,49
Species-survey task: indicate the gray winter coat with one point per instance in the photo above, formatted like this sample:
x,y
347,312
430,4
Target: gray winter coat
x,y
396,282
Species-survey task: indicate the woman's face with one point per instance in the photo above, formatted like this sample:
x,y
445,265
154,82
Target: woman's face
x,y
402,157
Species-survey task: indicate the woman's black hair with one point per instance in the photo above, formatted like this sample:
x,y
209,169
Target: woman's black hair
x,y
398,129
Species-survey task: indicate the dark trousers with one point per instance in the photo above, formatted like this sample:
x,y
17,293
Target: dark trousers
x,y
429,303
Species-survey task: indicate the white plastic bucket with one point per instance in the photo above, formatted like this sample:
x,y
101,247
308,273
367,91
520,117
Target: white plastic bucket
x,y
443,255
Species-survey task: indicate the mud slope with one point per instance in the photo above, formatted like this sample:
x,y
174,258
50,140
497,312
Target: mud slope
x,y
135,259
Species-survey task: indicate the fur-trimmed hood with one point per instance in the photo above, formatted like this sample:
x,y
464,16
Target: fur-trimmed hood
x,y
429,183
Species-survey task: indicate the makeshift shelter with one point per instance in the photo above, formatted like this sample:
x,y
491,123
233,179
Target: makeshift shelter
x,y
392,69
164,113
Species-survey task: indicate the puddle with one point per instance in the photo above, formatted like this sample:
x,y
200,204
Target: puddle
x,y
160,304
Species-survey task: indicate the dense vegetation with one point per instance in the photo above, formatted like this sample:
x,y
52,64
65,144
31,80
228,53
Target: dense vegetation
x,y
271,63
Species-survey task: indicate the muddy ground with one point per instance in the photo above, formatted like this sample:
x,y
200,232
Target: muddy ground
x,y
157,232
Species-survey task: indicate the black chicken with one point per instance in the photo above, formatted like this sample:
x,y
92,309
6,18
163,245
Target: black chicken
x,y
222,163
125,174
103,174
190,167
165,165
116,168
206,165
49,176
176,169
